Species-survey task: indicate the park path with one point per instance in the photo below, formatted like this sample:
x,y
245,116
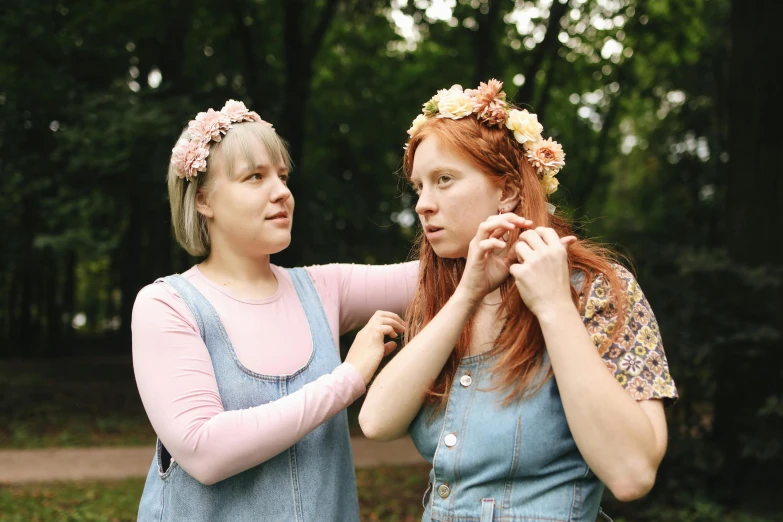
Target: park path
x,y
57,464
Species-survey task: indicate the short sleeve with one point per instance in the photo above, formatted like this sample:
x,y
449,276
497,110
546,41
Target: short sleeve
x,y
635,357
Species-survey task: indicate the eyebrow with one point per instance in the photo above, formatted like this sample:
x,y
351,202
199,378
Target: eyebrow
x,y
437,172
263,167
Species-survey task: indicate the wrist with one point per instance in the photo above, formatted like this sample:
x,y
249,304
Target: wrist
x,y
553,313
463,298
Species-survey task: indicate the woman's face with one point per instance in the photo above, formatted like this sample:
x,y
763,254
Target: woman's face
x,y
251,211
454,197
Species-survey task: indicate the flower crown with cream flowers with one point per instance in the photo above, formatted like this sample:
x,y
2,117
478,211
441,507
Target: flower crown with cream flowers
x,y
489,105
189,156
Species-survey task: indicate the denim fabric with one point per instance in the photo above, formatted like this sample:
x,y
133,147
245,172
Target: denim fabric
x,y
313,481
493,462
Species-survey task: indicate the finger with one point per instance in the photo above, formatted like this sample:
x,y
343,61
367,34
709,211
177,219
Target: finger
x,y
567,241
532,238
389,348
387,329
384,316
386,313
491,244
549,236
395,322
523,251
520,221
498,225
510,256
502,229
493,226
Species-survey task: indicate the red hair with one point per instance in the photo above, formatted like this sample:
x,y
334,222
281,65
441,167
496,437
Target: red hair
x,y
520,345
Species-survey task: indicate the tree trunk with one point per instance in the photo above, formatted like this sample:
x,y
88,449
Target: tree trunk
x,y
486,51
299,57
547,48
755,189
752,220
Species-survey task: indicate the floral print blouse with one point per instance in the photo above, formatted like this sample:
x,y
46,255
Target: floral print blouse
x,y
636,357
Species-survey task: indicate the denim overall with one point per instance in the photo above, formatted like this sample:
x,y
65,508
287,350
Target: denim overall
x,y
493,462
313,481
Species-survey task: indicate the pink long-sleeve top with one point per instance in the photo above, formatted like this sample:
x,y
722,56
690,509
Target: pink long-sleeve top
x,y
177,383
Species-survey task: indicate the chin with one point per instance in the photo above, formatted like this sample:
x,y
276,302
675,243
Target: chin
x,y
277,248
449,251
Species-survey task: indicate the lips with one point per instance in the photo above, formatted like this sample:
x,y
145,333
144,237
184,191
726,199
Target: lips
x,y
430,229
280,215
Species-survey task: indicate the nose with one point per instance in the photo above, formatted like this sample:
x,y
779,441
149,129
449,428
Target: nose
x,y
426,203
280,193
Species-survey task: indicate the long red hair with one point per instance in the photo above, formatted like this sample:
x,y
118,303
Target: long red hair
x,y
520,345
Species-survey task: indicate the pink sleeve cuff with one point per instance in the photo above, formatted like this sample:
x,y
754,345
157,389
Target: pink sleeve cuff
x,y
354,379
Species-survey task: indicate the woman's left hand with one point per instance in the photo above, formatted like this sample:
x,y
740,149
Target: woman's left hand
x,y
541,274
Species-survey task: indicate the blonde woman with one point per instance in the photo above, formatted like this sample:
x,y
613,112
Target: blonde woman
x,y
237,360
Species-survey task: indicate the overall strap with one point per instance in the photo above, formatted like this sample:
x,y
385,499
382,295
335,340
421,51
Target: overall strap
x,y
308,296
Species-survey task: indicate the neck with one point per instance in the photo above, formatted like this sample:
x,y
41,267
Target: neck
x,y
492,299
249,277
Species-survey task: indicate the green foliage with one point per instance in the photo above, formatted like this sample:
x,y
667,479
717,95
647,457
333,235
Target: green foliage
x,y
635,90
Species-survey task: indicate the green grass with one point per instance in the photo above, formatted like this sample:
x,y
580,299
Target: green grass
x,y
385,495
71,502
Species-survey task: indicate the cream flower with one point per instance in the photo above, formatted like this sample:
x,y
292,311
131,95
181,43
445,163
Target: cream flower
x,y
549,183
209,126
189,158
525,126
546,156
430,108
455,104
417,123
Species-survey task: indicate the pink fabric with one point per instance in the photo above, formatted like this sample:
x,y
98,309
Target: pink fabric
x,y
270,336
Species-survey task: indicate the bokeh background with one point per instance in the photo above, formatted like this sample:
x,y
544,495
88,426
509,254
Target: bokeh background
x,y
668,111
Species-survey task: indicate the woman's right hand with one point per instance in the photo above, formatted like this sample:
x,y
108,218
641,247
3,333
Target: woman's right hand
x,y
368,348
489,257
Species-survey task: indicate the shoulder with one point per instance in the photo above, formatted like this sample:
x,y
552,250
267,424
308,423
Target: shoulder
x,y
159,301
157,292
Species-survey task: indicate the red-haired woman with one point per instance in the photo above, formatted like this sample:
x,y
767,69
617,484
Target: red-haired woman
x,y
533,372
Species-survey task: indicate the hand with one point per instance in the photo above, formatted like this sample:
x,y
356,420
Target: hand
x,y
368,348
541,274
489,257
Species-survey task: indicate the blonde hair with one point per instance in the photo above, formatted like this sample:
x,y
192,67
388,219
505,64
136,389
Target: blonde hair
x,y
190,227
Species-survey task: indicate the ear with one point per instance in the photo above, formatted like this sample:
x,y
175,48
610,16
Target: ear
x,y
202,204
509,198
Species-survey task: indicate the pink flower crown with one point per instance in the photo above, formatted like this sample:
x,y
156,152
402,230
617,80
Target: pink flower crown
x,y
189,156
489,105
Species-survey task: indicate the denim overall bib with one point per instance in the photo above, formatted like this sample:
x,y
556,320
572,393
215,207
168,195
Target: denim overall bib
x,y
313,481
511,463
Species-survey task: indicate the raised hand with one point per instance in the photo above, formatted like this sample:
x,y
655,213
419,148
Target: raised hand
x,y
489,257
368,348
541,270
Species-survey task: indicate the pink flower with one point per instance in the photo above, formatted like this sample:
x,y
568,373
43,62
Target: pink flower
x,y
546,156
237,112
491,103
209,126
189,158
